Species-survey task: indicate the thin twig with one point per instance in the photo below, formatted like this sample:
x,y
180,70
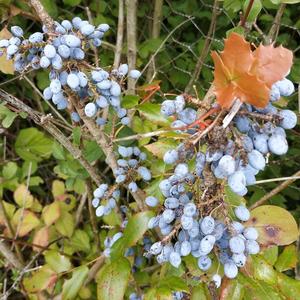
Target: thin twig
x,y
10,256
120,33
131,41
246,15
95,268
45,122
156,26
277,179
276,190
142,135
273,32
206,48
80,208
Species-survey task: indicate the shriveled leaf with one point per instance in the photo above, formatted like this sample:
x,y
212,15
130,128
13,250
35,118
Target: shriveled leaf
x,y
23,197
287,259
42,279
275,225
112,280
72,286
41,238
57,262
25,221
6,66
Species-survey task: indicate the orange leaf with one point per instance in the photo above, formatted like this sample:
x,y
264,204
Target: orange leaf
x,y
272,64
246,75
41,238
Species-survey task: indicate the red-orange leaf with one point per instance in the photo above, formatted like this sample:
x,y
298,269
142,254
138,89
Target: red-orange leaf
x,y
246,75
272,64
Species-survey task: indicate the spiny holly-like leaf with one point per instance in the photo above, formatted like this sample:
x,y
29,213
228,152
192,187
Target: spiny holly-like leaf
x,y
246,75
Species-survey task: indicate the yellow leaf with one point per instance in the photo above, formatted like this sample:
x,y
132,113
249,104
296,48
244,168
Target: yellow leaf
x,y
51,213
58,188
41,238
6,66
23,197
24,222
275,225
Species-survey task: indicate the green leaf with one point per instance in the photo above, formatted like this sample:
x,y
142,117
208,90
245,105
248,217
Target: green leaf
x,y
174,284
136,227
72,2
231,290
9,170
160,147
152,112
290,1
51,213
130,101
40,280
28,223
270,255
65,224
57,262
254,11
263,271
287,259
31,144
50,7
261,290
72,286
232,5
275,225
201,292
76,134
92,151
80,241
112,280
23,197
288,286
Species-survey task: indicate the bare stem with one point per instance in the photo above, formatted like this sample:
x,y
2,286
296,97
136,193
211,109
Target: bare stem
x,y
120,33
156,25
276,25
131,41
246,15
42,14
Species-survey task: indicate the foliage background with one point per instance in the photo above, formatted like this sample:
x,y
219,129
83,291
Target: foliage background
x,y
30,157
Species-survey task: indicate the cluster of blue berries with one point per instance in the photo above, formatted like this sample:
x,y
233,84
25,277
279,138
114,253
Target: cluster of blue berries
x,y
63,52
204,238
129,171
238,161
